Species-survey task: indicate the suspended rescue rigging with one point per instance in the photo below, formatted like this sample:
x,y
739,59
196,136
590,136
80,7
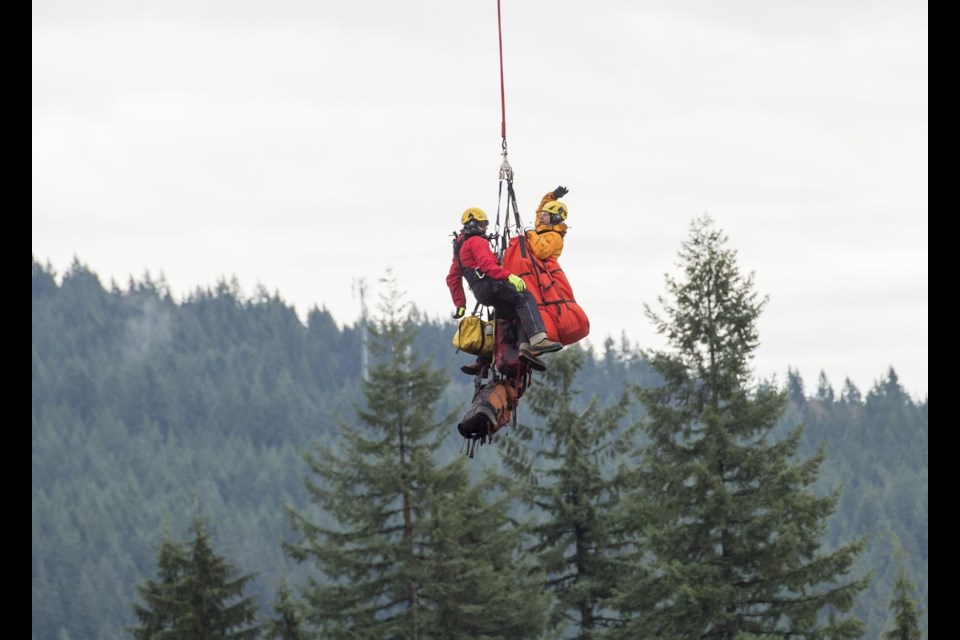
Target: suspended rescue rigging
x,y
529,303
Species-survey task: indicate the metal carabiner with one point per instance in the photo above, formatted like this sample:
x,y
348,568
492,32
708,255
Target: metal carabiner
x,y
506,171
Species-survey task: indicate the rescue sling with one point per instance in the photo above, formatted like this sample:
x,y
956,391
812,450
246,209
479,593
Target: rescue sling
x,y
564,319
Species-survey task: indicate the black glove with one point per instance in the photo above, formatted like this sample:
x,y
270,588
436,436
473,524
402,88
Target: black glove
x,y
559,192
459,312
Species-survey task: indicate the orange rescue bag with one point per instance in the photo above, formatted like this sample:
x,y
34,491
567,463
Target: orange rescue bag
x,y
563,319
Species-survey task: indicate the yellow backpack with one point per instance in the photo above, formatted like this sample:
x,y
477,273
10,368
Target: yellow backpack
x,y
475,336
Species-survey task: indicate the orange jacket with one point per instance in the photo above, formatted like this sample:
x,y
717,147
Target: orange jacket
x,y
546,241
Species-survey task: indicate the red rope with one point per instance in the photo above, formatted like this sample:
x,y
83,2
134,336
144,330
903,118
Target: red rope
x,y
503,107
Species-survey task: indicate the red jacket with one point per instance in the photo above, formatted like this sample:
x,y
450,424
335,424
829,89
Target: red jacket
x,y
475,253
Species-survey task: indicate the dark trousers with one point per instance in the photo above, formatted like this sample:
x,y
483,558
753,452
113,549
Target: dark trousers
x,y
509,303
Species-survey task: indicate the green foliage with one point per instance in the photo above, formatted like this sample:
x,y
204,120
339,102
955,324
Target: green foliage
x,y
415,550
571,461
906,613
198,596
286,623
880,453
164,604
731,532
143,407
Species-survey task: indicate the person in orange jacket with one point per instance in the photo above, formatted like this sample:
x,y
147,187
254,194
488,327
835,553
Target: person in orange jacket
x,y
546,239
494,286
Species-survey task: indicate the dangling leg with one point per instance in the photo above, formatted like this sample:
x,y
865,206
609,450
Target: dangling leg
x,y
522,305
537,342
520,339
476,367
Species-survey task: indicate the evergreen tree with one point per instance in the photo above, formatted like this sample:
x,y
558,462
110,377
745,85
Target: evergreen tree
x,y
286,625
732,529
796,394
415,551
139,401
572,460
824,389
850,394
906,612
199,595
163,605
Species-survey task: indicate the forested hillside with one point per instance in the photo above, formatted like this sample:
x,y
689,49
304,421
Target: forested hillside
x,y
147,411
877,454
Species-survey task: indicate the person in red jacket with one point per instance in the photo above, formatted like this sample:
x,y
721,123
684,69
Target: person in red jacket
x,y
492,285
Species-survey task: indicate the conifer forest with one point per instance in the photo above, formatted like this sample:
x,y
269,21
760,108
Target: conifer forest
x,y
216,467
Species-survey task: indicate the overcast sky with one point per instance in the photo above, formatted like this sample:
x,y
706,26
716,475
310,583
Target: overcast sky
x,y
303,145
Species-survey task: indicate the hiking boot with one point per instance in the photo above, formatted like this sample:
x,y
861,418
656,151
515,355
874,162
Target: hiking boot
x,y
534,362
474,368
538,349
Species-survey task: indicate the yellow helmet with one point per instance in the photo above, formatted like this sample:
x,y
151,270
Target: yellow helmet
x,y
472,214
556,208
